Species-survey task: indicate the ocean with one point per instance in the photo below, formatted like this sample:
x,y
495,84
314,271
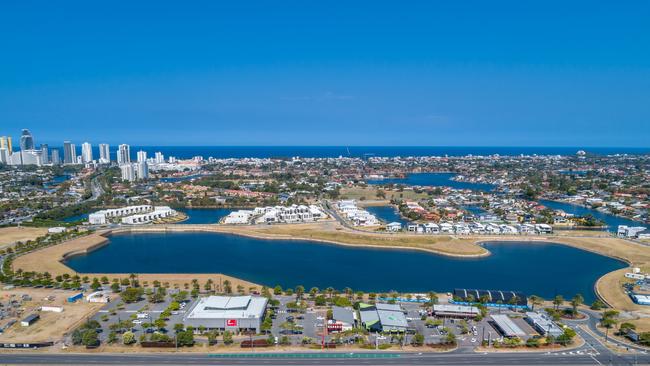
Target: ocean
x,y
357,151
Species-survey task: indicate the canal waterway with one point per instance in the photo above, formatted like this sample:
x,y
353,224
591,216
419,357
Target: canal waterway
x,y
387,214
434,180
204,215
544,269
612,221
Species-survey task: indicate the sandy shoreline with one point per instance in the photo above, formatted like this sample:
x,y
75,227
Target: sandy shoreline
x,y
608,287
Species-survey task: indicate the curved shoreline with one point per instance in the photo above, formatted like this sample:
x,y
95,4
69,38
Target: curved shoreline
x,y
596,245
217,230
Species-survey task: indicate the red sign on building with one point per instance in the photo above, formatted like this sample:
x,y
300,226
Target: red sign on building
x,y
231,322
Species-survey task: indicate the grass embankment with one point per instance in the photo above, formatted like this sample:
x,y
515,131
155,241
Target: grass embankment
x,y
10,235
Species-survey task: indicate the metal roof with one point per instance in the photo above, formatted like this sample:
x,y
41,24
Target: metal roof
x,y
344,315
507,326
228,307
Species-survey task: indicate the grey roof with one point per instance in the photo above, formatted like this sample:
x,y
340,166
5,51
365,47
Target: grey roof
x,y
444,308
544,324
232,307
369,316
507,326
389,307
29,318
392,319
344,315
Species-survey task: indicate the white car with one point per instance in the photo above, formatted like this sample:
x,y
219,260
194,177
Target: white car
x,y
137,321
320,318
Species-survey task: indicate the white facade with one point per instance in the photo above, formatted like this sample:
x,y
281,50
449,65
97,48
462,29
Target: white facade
x,y
128,172
159,212
238,217
142,170
123,154
86,152
102,217
142,156
104,153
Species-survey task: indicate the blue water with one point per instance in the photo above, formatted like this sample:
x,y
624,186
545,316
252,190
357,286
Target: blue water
x,y
544,269
475,210
179,179
76,218
204,215
357,151
387,214
435,180
612,221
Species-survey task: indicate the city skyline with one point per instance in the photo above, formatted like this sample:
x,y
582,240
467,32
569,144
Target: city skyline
x,y
367,74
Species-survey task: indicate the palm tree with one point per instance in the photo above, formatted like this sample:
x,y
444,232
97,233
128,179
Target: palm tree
x,y
535,301
300,290
576,301
608,321
348,293
558,301
329,291
313,291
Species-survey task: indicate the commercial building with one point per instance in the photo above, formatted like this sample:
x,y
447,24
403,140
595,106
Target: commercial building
x,y
640,299
29,320
123,154
506,326
495,298
142,156
383,317
342,319
456,311
233,313
26,140
543,324
86,152
69,153
104,154
45,154
56,158
128,172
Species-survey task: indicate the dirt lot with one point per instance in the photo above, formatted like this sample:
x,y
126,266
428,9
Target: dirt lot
x,y
10,235
51,326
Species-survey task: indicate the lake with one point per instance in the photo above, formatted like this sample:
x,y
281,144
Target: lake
x,y
612,221
434,180
544,269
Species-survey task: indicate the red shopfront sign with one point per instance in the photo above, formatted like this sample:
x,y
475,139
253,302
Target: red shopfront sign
x,y
231,322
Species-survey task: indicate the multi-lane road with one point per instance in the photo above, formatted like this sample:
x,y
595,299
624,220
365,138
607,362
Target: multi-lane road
x,y
453,358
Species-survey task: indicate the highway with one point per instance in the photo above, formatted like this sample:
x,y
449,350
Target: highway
x,y
565,358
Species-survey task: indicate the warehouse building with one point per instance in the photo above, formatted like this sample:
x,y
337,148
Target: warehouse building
x,y
383,317
29,320
543,325
495,298
506,326
456,311
232,313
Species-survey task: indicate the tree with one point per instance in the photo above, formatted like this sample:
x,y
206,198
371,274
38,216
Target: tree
x,y
625,327
89,338
418,339
185,338
576,301
227,287
597,305
115,286
300,290
112,337
535,301
558,301
160,323
608,321
227,337
128,338
277,290
313,292
131,294
95,285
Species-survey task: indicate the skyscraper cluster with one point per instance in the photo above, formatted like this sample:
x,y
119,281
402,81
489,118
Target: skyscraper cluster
x,y
44,155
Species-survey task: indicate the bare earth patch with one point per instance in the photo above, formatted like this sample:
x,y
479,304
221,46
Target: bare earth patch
x,y
10,235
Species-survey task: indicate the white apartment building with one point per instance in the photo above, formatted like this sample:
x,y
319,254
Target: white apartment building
x,y
86,152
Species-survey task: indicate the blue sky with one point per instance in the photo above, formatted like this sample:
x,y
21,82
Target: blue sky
x,y
510,73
